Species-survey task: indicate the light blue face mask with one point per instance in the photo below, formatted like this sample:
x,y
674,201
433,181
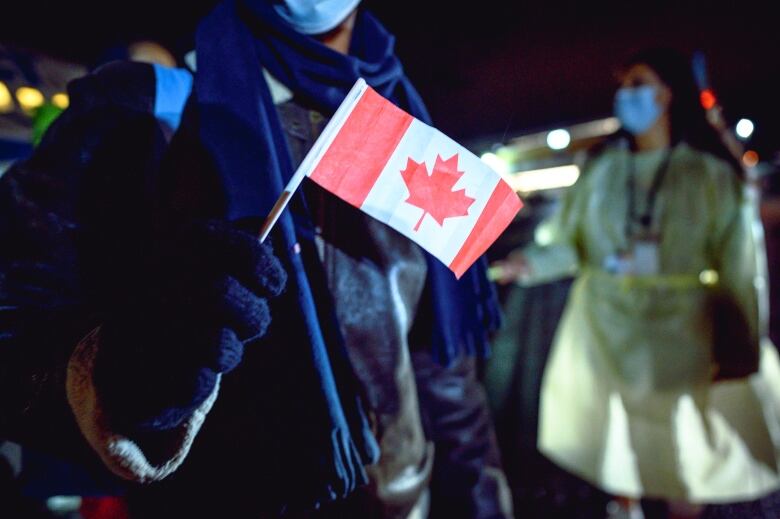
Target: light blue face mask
x,y
314,16
637,108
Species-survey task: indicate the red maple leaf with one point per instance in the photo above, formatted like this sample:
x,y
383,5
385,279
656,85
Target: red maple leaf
x,y
433,193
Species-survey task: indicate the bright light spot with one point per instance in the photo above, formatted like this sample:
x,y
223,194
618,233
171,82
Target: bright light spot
x,y
6,101
547,178
745,128
29,98
558,139
708,277
750,158
498,164
60,100
543,235
707,98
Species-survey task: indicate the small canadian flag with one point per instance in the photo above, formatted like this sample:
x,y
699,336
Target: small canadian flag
x,y
409,175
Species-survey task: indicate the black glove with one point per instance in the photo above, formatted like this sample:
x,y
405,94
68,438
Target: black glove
x,y
189,302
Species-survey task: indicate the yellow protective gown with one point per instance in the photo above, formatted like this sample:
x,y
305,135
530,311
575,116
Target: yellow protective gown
x,y
628,401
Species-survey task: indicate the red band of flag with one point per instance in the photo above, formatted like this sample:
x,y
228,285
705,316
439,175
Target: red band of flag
x,y
362,147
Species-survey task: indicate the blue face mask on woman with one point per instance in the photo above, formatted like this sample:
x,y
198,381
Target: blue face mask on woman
x,y
636,108
314,16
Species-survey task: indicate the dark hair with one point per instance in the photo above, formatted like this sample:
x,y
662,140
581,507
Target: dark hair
x,y
687,118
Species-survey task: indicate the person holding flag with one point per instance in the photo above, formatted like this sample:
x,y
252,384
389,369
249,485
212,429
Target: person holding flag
x,y
326,372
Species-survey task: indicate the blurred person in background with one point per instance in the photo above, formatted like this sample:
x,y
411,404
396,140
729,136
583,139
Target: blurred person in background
x,y
147,51
140,318
659,384
143,51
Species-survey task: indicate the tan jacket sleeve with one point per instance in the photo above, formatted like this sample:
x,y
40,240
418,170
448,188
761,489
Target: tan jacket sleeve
x,y
555,252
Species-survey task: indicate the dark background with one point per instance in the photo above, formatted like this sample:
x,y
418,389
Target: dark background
x,y
487,69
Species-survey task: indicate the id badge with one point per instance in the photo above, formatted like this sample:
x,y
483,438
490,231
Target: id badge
x,y
646,258
619,263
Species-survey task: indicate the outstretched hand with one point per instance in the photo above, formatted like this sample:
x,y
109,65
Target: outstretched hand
x,y
514,268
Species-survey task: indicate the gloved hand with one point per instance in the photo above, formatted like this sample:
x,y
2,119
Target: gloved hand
x,y
196,298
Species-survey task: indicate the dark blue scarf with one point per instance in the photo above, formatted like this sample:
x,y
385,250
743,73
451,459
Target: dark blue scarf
x,y
241,130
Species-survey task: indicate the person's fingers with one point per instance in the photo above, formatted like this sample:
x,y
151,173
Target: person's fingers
x,y
151,381
222,351
508,271
496,272
243,256
244,312
170,398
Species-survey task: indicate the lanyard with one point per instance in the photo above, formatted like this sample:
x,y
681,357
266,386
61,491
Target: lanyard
x,y
645,220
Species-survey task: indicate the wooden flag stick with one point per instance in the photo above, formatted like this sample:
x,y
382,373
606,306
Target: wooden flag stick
x,y
314,155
